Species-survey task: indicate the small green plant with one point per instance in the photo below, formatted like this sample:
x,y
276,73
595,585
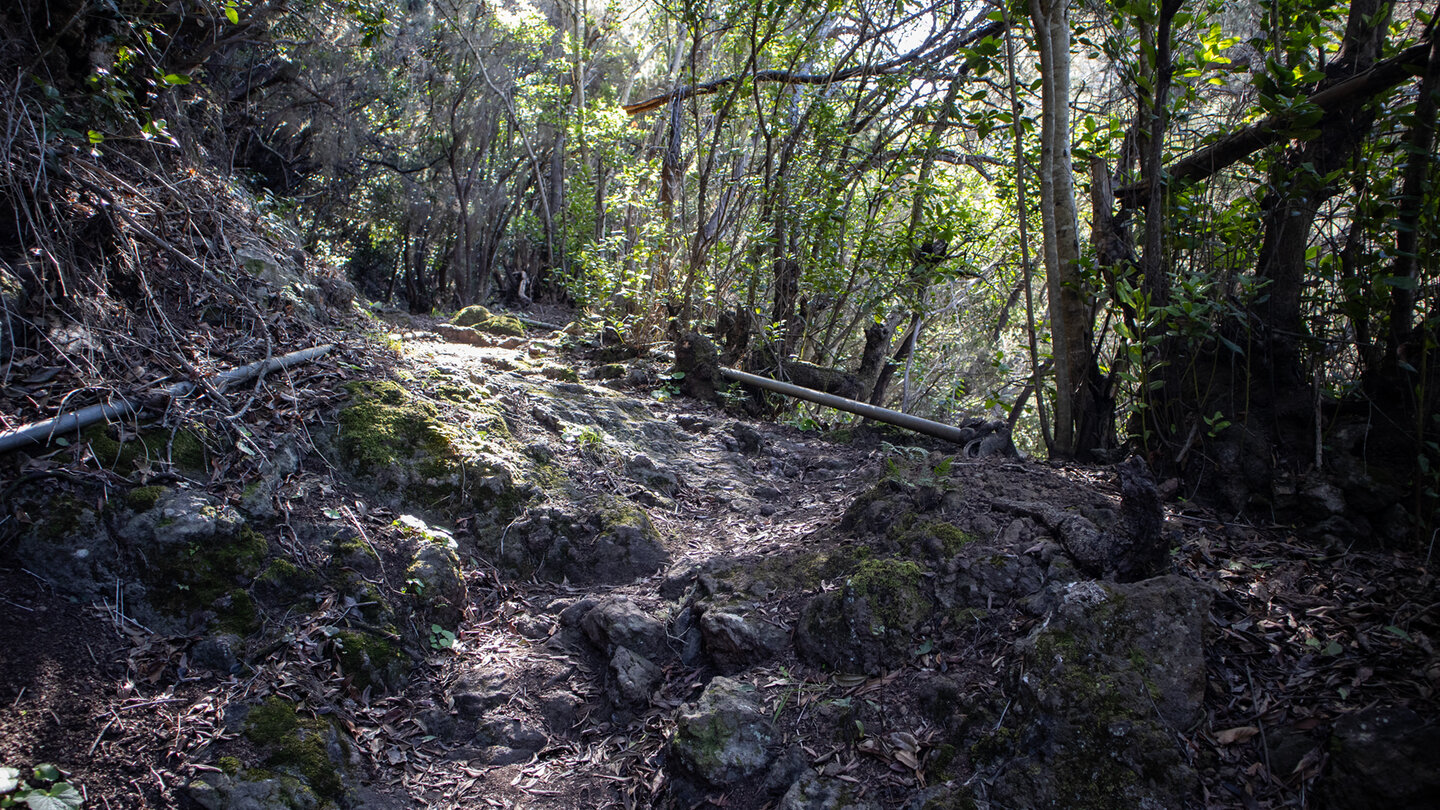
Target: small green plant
x,y
1216,423
43,791
670,387
588,438
800,420
732,395
440,638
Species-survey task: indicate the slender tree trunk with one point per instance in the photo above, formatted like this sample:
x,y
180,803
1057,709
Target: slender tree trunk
x,y
1070,326
1416,187
1022,216
1159,361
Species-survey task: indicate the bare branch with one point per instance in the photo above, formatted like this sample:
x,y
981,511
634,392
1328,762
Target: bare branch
x,y
923,53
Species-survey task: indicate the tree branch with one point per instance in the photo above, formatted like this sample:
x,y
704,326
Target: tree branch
x,y
1236,146
834,77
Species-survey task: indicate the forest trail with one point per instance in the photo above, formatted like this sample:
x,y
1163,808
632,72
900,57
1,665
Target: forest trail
x,y
518,571
717,489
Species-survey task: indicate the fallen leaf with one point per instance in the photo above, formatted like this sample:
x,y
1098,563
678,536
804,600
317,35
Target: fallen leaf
x,y
1230,736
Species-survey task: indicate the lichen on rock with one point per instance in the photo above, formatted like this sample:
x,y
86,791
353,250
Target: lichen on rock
x,y
724,738
1106,684
437,582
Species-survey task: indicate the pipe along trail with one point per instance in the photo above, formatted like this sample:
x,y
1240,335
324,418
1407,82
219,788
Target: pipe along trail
x,y
73,422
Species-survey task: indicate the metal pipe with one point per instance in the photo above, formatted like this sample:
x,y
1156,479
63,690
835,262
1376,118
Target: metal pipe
x,y
75,421
865,409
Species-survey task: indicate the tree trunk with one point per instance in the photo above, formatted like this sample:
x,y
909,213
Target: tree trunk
x,y
1070,326
1300,189
1416,188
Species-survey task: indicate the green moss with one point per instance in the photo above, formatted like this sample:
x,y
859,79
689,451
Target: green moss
x,y
187,451
182,447
65,517
547,475
237,613
346,548
941,761
936,539
370,660
1092,779
456,393
892,590
964,616
384,425
230,765
804,571
143,499
1090,775
610,371
617,512
999,743
482,319
386,432
286,578
560,373
296,744
203,574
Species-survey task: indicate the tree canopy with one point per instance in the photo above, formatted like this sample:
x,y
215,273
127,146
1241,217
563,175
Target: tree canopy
x,y
1199,232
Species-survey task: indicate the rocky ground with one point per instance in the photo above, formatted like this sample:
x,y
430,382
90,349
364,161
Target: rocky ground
x,y
473,563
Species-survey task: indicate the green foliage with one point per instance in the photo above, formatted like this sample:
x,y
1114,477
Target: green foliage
x,y
43,790
440,638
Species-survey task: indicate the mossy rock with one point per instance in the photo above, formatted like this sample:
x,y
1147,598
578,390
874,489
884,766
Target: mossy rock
x,y
284,581
867,625
400,446
305,747
936,540
208,575
482,319
461,394
1110,675
789,573
235,612
725,737
609,541
384,425
550,371
143,499
350,550
626,546
371,660
183,448
437,583
69,545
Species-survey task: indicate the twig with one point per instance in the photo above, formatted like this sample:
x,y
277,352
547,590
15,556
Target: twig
x,y
108,724
345,510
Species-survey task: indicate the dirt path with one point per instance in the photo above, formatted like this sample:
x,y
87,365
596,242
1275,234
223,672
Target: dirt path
x,y
725,491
